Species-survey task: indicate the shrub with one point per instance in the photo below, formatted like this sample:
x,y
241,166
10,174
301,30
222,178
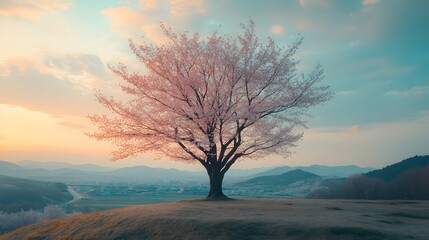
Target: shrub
x,y
53,211
12,221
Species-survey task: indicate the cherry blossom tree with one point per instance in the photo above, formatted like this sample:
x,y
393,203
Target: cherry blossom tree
x,y
211,100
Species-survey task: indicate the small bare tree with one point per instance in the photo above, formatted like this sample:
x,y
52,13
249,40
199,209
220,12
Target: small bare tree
x,y
211,100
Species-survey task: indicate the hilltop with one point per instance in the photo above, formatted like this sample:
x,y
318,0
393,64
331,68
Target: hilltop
x,y
242,219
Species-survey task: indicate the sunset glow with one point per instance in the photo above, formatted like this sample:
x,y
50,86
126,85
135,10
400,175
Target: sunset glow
x,y
54,56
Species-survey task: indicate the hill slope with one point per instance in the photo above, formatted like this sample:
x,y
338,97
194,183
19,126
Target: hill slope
x,y
391,172
242,219
282,179
408,179
21,194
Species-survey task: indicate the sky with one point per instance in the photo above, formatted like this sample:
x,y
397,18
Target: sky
x,y
375,53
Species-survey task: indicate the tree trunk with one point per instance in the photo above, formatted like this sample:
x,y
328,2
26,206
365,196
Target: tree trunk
x,y
216,179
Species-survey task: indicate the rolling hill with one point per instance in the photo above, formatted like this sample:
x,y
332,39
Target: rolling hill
x,y
324,171
393,171
280,180
408,179
22,194
241,219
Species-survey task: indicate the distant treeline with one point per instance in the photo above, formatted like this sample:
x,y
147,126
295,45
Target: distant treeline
x,y
408,179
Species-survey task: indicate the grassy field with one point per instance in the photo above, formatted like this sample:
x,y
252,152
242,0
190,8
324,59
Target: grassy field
x,y
97,203
243,219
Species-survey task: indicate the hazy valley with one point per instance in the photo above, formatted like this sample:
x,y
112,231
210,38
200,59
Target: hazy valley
x,y
103,188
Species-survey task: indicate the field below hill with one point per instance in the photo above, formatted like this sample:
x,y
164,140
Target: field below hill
x,y
251,218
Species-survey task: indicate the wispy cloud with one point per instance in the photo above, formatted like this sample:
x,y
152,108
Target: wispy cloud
x,y
132,22
81,71
180,8
415,91
383,67
123,18
29,9
365,145
55,84
314,3
345,93
149,4
367,2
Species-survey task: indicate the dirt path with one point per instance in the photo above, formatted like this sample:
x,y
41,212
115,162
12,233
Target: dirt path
x,y
74,193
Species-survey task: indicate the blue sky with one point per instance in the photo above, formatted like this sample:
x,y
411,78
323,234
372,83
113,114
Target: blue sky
x,y
375,54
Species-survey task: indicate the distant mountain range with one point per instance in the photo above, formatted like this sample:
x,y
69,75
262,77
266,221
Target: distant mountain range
x,y
138,174
90,173
406,179
22,194
58,165
280,180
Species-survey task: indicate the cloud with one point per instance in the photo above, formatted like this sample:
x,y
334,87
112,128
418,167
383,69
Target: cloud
x,y
9,66
277,30
149,4
133,22
76,64
368,2
413,92
345,93
123,18
314,3
154,33
382,67
84,71
30,9
377,145
55,84
129,23
181,8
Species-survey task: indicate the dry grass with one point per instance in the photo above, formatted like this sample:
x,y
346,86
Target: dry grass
x,y
243,219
